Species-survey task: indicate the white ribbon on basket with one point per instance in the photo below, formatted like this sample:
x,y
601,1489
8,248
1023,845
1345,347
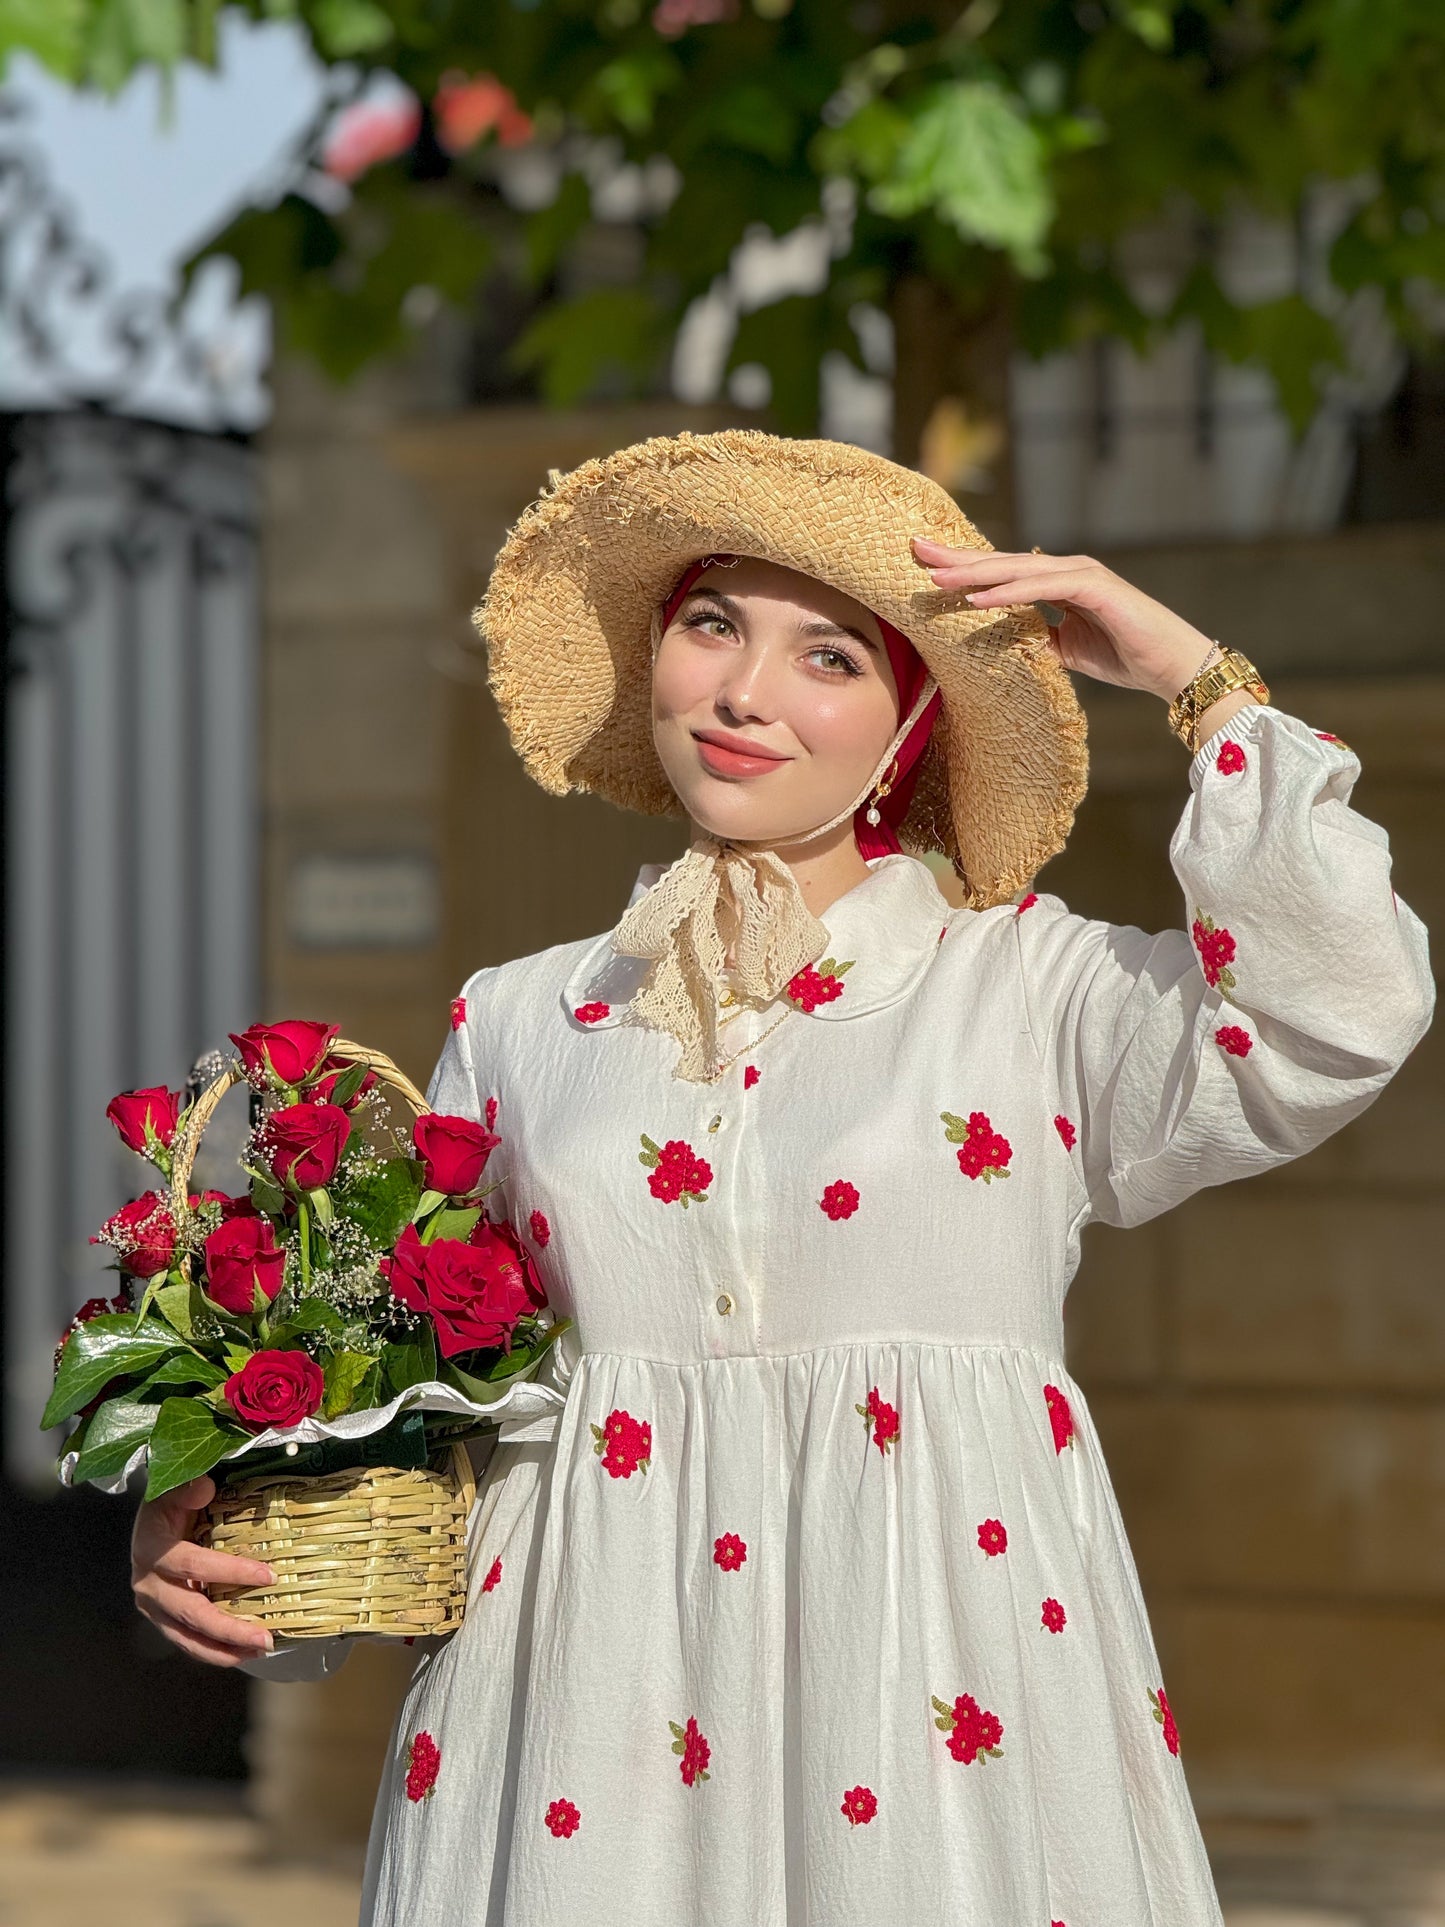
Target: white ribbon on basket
x,y
533,1407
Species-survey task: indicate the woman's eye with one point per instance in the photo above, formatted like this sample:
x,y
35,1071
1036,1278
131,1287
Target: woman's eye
x,y
842,658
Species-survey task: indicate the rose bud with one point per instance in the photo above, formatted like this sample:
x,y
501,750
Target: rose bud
x,y
286,1053
132,1111
336,1067
305,1143
241,1207
275,1388
453,1151
143,1235
473,1300
239,1256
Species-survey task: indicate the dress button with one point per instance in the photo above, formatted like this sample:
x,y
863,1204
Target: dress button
x,y
716,1121
724,1302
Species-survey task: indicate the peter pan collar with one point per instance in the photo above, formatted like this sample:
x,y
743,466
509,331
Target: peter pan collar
x,y
886,930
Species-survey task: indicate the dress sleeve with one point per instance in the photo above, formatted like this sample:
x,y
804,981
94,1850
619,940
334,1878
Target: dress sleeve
x,y
1296,988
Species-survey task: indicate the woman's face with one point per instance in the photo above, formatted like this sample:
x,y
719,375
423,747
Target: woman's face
x,y
793,672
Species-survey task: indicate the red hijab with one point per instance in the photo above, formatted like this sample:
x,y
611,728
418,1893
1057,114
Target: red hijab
x,y
909,672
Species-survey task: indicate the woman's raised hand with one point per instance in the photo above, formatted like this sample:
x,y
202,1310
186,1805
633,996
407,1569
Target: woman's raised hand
x,y
1108,629
169,1571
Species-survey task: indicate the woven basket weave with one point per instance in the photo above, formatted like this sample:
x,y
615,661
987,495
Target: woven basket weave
x,y
375,1549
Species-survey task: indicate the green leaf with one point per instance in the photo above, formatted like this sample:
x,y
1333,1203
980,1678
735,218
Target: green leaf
x,y
101,1351
629,87
572,344
344,28
174,1303
348,1084
383,1203
427,1202
188,1439
115,1430
344,1373
553,228
411,1364
181,1368
267,1197
52,30
454,1222
972,158
311,1315
321,1204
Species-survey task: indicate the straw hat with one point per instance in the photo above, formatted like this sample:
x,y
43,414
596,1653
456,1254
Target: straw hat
x,y
568,619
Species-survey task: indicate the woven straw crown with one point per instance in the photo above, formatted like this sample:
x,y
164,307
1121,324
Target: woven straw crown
x,y
567,621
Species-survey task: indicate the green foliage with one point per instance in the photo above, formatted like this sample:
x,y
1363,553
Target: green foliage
x,y
188,1439
999,151
383,1203
106,1349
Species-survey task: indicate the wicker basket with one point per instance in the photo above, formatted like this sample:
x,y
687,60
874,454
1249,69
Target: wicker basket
x,y
371,1549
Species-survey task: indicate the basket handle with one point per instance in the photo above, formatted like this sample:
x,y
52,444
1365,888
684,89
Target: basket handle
x,y
205,1105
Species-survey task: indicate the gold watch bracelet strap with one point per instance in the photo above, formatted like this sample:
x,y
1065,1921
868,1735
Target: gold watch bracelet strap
x,y
1211,681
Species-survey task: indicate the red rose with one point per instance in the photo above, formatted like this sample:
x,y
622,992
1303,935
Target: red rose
x,y
305,1142
454,1151
289,1053
133,1111
240,1255
474,1293
143,1235
275,1388
241,1207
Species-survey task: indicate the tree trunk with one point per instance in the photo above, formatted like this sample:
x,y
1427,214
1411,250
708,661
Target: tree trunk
x,y
948,353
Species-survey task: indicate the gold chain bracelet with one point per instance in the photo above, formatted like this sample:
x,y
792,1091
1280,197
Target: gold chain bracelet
x,y
1211,681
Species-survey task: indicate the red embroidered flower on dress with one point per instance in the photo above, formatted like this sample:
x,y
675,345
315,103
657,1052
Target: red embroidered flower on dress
x,y
943,933
839,1199
860,1803
695,1751
1066,1131
591,1013
563,1819
541,1230
1024,903
972,1733
992,1537
491,1113
1229,759
750,1076
1160,1703
1326,737
818,983
982,1152
1216,950
1052,1615
883,1419
1060,1417
459,1012
729,1552
624,1444
677,1171
423,1762
494,1573
1237,1042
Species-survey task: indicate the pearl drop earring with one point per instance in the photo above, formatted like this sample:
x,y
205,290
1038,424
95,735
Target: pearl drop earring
x,y
880,792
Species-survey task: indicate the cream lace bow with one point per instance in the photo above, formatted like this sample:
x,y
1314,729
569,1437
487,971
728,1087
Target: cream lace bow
x,y
715,899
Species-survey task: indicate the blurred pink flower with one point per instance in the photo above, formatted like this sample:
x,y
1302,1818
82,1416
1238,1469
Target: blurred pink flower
x,y
369,132
467,106
671,18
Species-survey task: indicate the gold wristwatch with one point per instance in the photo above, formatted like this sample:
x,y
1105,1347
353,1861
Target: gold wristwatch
x,y
1231,671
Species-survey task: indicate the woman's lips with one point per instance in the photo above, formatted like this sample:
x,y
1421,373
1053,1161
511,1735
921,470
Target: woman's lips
x,y
731,762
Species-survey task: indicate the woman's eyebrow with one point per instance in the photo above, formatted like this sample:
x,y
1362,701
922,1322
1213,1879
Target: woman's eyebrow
x,y
818,626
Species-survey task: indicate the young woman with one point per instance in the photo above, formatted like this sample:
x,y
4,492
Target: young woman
x,y
809,1603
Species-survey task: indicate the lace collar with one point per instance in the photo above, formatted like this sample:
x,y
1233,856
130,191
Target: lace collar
x,y
886,930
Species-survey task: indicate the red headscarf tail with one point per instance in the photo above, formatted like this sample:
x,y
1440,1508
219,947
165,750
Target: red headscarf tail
x,y
909,673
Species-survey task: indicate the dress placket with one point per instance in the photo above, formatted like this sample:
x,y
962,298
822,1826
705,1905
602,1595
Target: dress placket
x,y
735,1315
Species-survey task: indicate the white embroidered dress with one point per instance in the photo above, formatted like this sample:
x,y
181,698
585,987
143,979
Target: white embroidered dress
x,y
810,1605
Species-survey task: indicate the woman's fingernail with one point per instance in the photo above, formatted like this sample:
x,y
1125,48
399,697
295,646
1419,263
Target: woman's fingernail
x,y
972,601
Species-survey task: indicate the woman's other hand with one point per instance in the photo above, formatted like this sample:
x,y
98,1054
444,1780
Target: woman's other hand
x,y
169,1571
1106,628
